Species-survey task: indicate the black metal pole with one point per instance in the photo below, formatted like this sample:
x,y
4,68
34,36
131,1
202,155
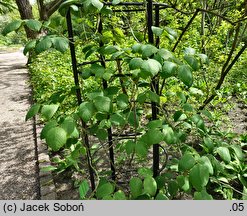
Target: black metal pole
x,y
109,130
154,85
157,23
150,21
78,93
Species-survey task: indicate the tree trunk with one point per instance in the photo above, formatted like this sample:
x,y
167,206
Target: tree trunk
x,y
25,10
47,9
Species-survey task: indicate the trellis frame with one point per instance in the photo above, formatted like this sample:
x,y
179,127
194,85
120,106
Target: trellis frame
x,y
153,15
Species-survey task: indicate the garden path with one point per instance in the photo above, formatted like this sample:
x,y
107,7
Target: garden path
x,y
18,167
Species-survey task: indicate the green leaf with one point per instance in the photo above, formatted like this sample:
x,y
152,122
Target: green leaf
x,y
202,195
48,168
148,50
95,94
157,31
244,193
30,45
110,50
136,48
150,186
242,180
98,4
65,5
207,114
110,91
171,32
199,176
204,58
48,111
153,97
75,134
168,134
154,136
43,44
198,120
56,138
151,67
34,25
13,26
182,97
224,153
168,69
98,70
86,111
189,51
172,188
101,134
188,107
119,195
238,152
205,160
104,190
145,172
105,123
161,196
192,61
107,76
165,54
115,2
179,116
83,189
133,119
183,183
185,75
130,147
186,162
141,98
135,187
69,125
141,149
122,101
103,104
33,111
86,73
208,143
47,127
155,124
61,44
196,91
117,119
135,63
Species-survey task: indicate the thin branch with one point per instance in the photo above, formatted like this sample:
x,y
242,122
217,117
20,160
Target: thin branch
x,y
216,14
234,44
185,29
223,76
52,7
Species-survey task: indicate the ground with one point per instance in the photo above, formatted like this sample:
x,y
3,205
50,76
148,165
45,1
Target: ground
x,y
18,170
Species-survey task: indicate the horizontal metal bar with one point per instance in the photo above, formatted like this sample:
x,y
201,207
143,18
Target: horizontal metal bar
x,y
131,4
130,10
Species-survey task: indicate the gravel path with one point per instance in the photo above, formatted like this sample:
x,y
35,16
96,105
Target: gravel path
x,y
18,169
